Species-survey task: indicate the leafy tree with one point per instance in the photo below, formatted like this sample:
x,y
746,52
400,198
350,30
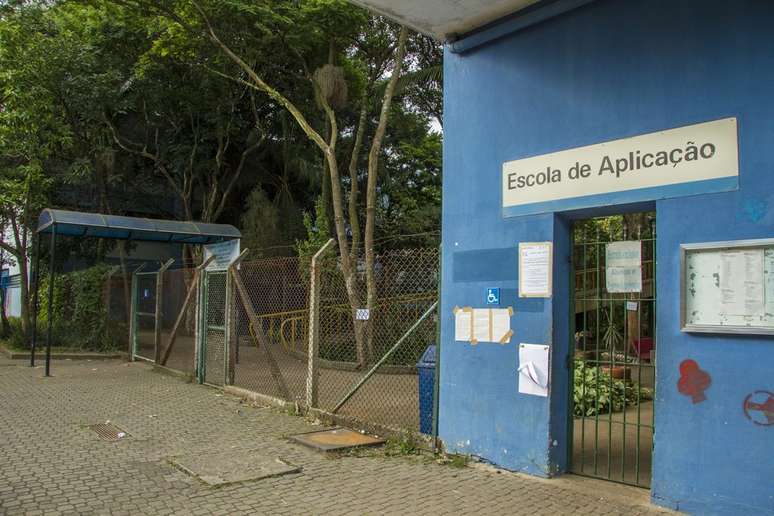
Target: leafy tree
x,y
264,105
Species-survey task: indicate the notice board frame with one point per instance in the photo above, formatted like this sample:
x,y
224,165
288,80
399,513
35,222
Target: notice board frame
x,y
761,243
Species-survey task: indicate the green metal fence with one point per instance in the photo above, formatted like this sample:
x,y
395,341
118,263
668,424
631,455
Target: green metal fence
x,y
614,366
213,349
144,315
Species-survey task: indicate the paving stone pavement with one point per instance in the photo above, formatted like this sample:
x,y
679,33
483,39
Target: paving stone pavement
x,y
52,463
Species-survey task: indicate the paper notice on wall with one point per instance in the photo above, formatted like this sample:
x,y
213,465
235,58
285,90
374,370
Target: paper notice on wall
x,y
623,266
533,369
742,283
501,325
482,326
477,325
535,269
463,324
768,270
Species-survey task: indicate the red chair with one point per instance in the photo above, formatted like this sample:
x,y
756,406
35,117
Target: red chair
x,y
642,347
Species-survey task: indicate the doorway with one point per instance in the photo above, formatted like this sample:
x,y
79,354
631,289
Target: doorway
x,y
613,323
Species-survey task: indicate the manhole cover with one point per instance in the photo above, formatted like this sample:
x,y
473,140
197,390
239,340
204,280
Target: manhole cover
x,y
229,467
336,439
109,432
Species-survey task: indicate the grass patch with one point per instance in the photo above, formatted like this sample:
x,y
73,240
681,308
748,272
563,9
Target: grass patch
x,y
403,444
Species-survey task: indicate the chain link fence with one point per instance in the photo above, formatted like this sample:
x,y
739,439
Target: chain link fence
x,y
253,330
178,318
271,352
406,285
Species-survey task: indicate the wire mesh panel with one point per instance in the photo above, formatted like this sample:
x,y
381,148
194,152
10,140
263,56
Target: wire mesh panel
x,y
352,341
117,292
214,328
145,315
178,318
270,356
614,366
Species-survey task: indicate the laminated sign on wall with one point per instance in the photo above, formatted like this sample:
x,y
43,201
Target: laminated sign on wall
x,y
535,260
476,325
623,266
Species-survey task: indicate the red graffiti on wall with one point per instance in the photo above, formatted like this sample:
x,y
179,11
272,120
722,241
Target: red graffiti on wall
x,y
693,381
759,407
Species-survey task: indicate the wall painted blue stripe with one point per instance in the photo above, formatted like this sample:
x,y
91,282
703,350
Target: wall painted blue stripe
x,y
723,184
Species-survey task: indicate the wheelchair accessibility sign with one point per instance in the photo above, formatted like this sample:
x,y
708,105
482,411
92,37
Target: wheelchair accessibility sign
x,y
493,296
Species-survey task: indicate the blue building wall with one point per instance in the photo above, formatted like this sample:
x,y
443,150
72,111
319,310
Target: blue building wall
x,y
608,70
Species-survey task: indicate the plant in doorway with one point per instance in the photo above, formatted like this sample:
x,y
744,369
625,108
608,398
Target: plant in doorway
x,y
595,391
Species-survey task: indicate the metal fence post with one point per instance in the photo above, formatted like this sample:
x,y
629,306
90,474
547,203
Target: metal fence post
x,y
312,391
158,313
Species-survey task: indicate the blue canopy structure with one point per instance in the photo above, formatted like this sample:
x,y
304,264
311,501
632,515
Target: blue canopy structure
x,y
79,224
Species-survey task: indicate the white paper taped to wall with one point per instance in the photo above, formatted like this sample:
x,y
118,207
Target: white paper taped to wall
x,y
533,369
476,325
463,324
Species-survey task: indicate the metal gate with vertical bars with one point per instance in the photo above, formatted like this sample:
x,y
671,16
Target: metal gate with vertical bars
x,y
614,365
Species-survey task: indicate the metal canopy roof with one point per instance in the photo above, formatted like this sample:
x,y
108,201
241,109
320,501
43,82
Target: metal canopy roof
x,y
445,19
74,223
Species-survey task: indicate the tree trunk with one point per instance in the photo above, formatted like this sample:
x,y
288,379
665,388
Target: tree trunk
x,y
5,327
373,166
24,290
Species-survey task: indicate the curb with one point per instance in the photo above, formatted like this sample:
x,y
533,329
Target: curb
x,y
41,355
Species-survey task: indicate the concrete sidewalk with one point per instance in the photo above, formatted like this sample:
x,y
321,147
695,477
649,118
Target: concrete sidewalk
x,y
52,463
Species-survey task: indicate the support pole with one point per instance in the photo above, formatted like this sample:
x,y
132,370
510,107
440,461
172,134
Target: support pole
x,y
51,278
35,307
382,360
260,339
312,374
159,313
193,287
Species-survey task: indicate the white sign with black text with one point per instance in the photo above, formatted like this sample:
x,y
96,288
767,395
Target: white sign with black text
x,y
535,269
700,152
623,266
224,252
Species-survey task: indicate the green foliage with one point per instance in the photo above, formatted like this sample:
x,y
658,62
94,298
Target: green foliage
x,y
16,338
596,392
403,444
268,229
411,186
80,316
318,232
454,460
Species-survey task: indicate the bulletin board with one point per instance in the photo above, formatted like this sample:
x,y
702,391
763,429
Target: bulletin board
x,y
728,287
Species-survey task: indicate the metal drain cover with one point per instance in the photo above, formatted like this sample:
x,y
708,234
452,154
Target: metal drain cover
x,y
336,439
221,468
109,432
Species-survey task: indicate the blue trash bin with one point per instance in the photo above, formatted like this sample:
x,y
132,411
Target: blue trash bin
x,y
426,372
